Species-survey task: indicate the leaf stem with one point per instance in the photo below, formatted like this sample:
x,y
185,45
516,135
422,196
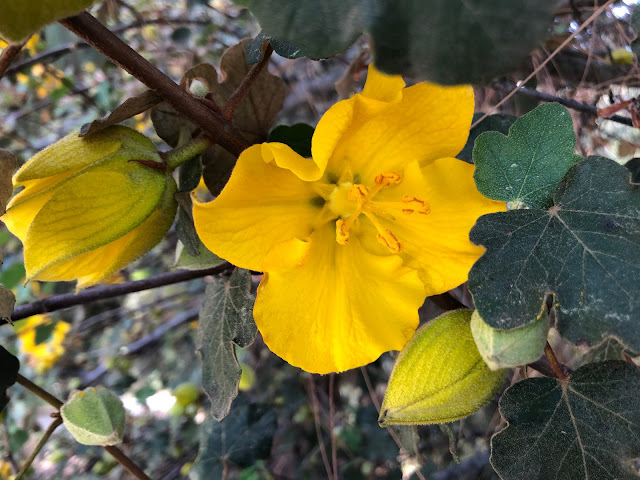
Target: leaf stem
x,y
55,424
176,157
8,55
239,93
106,42
558,371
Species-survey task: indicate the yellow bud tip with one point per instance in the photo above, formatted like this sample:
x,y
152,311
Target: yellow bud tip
x,y
389,240
342,232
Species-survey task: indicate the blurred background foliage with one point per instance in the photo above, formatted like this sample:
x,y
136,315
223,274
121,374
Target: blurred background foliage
x,y
142,345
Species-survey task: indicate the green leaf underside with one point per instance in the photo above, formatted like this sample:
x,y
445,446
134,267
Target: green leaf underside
x,y
281,47
526,165
444,41
8,374
242,438
497,123
586,429
585,250
226,318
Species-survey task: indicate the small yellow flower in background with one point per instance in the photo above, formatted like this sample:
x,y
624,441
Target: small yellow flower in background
x,y
354,239
89,206
43,355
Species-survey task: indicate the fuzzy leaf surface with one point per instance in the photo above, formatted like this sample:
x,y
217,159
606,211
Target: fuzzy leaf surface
x,y
526,165
226,319
585,250
588,428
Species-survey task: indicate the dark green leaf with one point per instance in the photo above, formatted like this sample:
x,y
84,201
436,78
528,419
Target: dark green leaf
x,y
170,125
585,250
226,319
217,167
445,41
13,275
526,166
181,35
205,259
281,47
498,123
189,175
44,332
8,374
634,167
242,438
297,136
588,428
609,349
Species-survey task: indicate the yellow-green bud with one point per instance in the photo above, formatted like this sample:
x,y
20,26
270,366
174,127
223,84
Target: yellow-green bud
x,y
91,205
439,376
186,394
20,18
94,416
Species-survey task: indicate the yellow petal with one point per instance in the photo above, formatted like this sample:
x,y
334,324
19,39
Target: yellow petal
x,y
341,309
430,122
383,87
261,206
304,168
83,215
437,244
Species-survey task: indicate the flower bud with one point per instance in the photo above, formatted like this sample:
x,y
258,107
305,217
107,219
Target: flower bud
x,y
19,19
439,376
91,205
94,416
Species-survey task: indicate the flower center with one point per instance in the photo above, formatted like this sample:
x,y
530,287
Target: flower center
x,y
350,200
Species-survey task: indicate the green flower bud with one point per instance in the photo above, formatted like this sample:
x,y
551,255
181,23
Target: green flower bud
x,y
510,348
91,205
94,416
19,19
186,394
439,376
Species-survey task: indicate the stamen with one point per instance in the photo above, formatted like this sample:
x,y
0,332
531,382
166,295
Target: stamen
x,y
387,178
342,232
418,205
357,192
385,236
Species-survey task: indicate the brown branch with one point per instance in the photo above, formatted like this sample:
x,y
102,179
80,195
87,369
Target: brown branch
x,y
40,392
45,437
106,42
58,302
8,55
126,462
239,93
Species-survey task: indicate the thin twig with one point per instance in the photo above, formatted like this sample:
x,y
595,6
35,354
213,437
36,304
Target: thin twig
x,y
126,462
332,425
8,55
58,302
106,42
558,371
547,60
55,424
40,392
316,414
567,102
239,93
376,403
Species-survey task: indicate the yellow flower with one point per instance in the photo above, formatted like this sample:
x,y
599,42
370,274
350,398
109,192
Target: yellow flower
x,y
89,206
43,355
353,239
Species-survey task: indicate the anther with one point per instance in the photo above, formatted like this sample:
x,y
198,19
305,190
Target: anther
x,y
389,240
342,232
420,206
357,192
387,178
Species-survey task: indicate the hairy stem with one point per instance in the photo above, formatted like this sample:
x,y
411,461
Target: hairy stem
x,y
55,424
176,157
58,302
106,42
558,371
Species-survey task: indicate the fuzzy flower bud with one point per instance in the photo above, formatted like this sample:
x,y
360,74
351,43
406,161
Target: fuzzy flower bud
x,y
91,205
